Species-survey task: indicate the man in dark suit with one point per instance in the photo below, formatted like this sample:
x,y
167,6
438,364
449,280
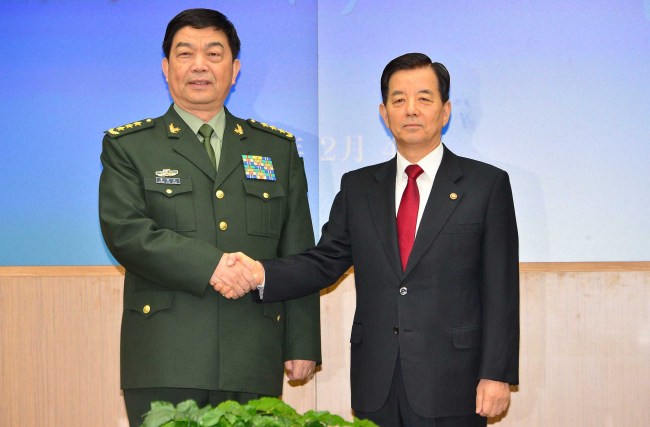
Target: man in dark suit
x,y
178,191
433,240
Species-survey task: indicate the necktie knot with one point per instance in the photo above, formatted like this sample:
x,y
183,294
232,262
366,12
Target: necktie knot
x,y
206,132
413,171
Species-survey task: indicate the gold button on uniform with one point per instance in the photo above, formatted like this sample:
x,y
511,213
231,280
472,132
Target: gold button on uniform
x,y
278,318
223,225
453,196
220,194
169,191
265,195
146,309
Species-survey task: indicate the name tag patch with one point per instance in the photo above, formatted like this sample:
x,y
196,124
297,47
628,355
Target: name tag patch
x,y
165,180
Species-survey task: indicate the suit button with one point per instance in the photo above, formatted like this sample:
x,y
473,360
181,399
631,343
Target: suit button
x,y
169,191
396,330
403,290
220,194
266,195
146,309
223,225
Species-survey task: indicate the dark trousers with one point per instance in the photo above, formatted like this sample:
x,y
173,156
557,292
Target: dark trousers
x,y
138,400
397,412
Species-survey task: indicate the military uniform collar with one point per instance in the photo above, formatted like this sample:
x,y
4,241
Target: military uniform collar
x,y
218,122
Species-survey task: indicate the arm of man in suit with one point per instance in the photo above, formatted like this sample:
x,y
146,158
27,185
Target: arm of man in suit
x,y
499,302
322,264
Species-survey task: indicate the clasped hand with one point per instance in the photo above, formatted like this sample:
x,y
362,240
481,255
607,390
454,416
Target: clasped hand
x,y
236,275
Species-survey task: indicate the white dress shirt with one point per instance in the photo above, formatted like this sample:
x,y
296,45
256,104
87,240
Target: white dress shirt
x,y
429,164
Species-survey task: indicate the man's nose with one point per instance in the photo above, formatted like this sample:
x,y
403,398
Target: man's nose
x,y
411,108
199,63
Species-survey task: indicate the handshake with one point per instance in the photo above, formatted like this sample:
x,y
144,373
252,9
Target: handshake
x,y
236,275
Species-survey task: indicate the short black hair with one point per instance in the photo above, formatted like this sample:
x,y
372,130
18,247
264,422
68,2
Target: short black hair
x,y
199,19
412,61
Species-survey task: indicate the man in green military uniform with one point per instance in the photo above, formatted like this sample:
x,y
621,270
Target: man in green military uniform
x,y
175,195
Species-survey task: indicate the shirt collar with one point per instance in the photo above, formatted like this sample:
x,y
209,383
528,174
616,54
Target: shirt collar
x,y
429,163
218,122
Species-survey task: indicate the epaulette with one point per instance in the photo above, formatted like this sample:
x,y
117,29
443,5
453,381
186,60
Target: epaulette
x,y
130,127
271,129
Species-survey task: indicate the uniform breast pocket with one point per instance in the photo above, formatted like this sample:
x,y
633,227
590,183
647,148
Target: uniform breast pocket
x,y
171,205
265,204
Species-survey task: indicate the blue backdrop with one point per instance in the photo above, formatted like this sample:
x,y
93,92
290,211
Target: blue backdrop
x,y
555,92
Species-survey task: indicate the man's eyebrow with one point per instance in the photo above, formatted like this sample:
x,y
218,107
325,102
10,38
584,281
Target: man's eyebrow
x,y
214,44
190,45
184,44
400,92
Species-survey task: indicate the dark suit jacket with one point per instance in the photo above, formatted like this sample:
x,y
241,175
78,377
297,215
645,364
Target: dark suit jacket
x,y
170,233
456,319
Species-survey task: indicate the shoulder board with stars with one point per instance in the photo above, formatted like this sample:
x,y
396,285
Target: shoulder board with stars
x,y
271,129
130,127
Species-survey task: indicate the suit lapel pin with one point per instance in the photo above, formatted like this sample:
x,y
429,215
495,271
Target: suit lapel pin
x,y
453,196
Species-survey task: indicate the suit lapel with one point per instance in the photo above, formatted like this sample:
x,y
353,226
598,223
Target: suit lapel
x,y
233,147
187,143
381,200
439,207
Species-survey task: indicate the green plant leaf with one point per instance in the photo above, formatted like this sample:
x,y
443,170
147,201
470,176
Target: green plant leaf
x,y
363,423
159,414
211,417
326,418
264,412
272,405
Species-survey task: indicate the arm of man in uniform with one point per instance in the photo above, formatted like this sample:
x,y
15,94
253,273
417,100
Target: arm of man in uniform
x,y
154,253
302,342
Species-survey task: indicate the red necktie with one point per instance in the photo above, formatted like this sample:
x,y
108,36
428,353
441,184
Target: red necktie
x,y
407,215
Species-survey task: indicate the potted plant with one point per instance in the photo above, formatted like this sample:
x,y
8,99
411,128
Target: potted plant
x,y
264,412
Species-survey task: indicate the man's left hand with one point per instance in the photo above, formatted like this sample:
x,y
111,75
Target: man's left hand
x,y
300,369
492,398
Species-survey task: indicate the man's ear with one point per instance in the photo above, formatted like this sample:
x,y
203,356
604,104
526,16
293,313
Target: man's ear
x,y
236,66
447,112
165,68
384,115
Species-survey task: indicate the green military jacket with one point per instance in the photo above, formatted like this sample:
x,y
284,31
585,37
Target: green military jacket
x,y
167,216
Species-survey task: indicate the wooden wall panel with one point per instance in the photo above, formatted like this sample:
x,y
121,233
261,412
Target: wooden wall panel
x,y
59,341
585,347
585,350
